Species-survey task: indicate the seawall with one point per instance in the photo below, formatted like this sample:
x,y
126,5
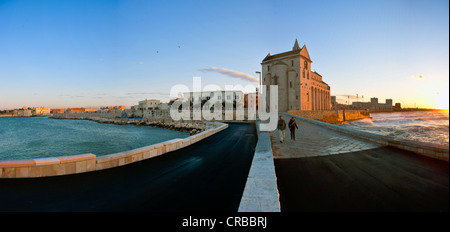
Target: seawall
x,y
56,166
436,151
332,116
261,191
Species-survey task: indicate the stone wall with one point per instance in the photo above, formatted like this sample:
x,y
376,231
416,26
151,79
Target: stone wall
x,y
435,151
56,166
261,191
332,116
106,114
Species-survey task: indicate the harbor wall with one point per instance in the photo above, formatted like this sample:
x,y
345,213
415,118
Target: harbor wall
x,y
332,116
435,151
56,166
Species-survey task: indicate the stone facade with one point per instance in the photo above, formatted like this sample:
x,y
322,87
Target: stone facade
x,y
299,88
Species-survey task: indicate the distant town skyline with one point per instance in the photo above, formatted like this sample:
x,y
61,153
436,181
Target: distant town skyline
x,y
63,54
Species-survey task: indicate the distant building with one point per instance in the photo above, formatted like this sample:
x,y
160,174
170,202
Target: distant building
x,y
42,111
113,108
91,109
147,104
23,113
373,105
75,110
82,110
57,111
211,97
152,108
299,88
249,103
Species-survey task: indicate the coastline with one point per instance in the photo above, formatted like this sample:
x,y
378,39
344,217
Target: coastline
x,y
193,127
75,164
407,110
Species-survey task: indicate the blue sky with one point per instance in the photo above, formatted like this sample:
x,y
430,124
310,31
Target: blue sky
x,y
98,53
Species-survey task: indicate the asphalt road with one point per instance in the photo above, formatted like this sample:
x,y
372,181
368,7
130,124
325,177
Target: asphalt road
x,y
380,179
207,176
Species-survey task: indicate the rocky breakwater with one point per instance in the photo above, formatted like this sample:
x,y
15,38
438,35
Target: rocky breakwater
x,y
193,127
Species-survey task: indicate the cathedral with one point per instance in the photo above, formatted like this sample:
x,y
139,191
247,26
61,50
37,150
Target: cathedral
x,y
299,88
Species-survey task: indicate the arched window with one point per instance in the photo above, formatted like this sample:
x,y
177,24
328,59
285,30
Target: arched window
x,y
306,64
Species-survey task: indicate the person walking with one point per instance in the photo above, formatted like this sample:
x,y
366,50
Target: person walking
x,y
281,126
292,126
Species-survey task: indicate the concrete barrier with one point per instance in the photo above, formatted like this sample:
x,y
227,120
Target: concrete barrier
x,y
56,166
42,167
436,151
261,191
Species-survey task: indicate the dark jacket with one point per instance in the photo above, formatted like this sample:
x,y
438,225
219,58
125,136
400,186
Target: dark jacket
x,y
292,125
281,124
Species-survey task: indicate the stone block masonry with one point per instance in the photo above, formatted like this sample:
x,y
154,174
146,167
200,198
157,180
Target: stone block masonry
x,y
332,116
54,166
261,192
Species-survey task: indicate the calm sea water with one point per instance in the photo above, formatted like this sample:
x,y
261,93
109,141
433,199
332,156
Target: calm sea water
x,y
424,126
28,138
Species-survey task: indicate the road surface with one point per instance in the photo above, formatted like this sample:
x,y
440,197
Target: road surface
x,y
379,179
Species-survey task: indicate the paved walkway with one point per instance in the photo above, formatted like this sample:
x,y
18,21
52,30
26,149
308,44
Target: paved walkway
x,y
314,140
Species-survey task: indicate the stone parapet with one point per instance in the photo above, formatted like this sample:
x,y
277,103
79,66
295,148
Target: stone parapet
x,y
261,191
42,167
436,151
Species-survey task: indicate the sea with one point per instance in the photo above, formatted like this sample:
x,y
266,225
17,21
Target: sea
x,y
42,137
423,126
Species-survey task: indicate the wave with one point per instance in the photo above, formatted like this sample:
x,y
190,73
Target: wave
x,y
424,127
433,118
365,120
